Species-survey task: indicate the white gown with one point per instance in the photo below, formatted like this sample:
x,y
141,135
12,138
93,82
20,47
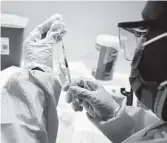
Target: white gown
x,y
28,106
28,112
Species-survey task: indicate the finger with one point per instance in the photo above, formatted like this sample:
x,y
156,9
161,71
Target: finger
x,y
61,34
56,17
57,31
79,82
58,37
44,27
68,97
91,85
81,109
79,101
73,83
66,86
36,34
85,105
57,25
80,93
76,106
87,84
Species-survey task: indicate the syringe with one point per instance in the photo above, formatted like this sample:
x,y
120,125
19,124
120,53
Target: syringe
x,y
66,62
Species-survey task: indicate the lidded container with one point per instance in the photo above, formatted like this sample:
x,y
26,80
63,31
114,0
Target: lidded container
x,y
107,47
12,35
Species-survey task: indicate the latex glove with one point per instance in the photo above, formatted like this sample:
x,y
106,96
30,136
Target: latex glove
x,y
38,47
93,97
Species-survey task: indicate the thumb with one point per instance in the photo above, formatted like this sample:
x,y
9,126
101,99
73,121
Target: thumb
x,y
81,93
57,26
45,26
57,30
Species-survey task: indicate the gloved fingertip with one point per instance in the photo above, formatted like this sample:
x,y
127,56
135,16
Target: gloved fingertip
x,y
80,108
75,105
57,17
66,86
65,30
68,98
75,108
74,91
81,101
64,24
58,25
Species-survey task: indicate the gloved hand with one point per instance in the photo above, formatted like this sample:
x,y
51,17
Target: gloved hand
x,y
93,97
38,47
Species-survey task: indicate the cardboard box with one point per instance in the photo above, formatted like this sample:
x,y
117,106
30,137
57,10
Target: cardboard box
x,y
12,34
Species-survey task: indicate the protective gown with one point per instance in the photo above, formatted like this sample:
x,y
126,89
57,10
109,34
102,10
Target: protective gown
x,y
29,99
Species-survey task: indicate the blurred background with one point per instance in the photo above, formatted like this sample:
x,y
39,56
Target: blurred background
x,y
85,20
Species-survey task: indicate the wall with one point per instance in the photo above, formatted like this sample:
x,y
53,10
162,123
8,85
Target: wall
x,y
84,21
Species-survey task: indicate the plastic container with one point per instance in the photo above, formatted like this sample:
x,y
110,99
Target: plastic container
x,y
107,52
12,33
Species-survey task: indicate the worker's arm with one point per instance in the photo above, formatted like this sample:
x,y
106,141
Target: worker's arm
x,y
128,120
107,111
29,99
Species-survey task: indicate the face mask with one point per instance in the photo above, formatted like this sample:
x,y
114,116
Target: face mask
x,y
151,94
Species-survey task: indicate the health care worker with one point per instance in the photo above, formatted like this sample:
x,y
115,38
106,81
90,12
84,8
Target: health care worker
x,y
29,95
148,79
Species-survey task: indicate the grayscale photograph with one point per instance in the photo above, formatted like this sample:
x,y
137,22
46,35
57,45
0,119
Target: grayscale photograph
x,y
83,71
